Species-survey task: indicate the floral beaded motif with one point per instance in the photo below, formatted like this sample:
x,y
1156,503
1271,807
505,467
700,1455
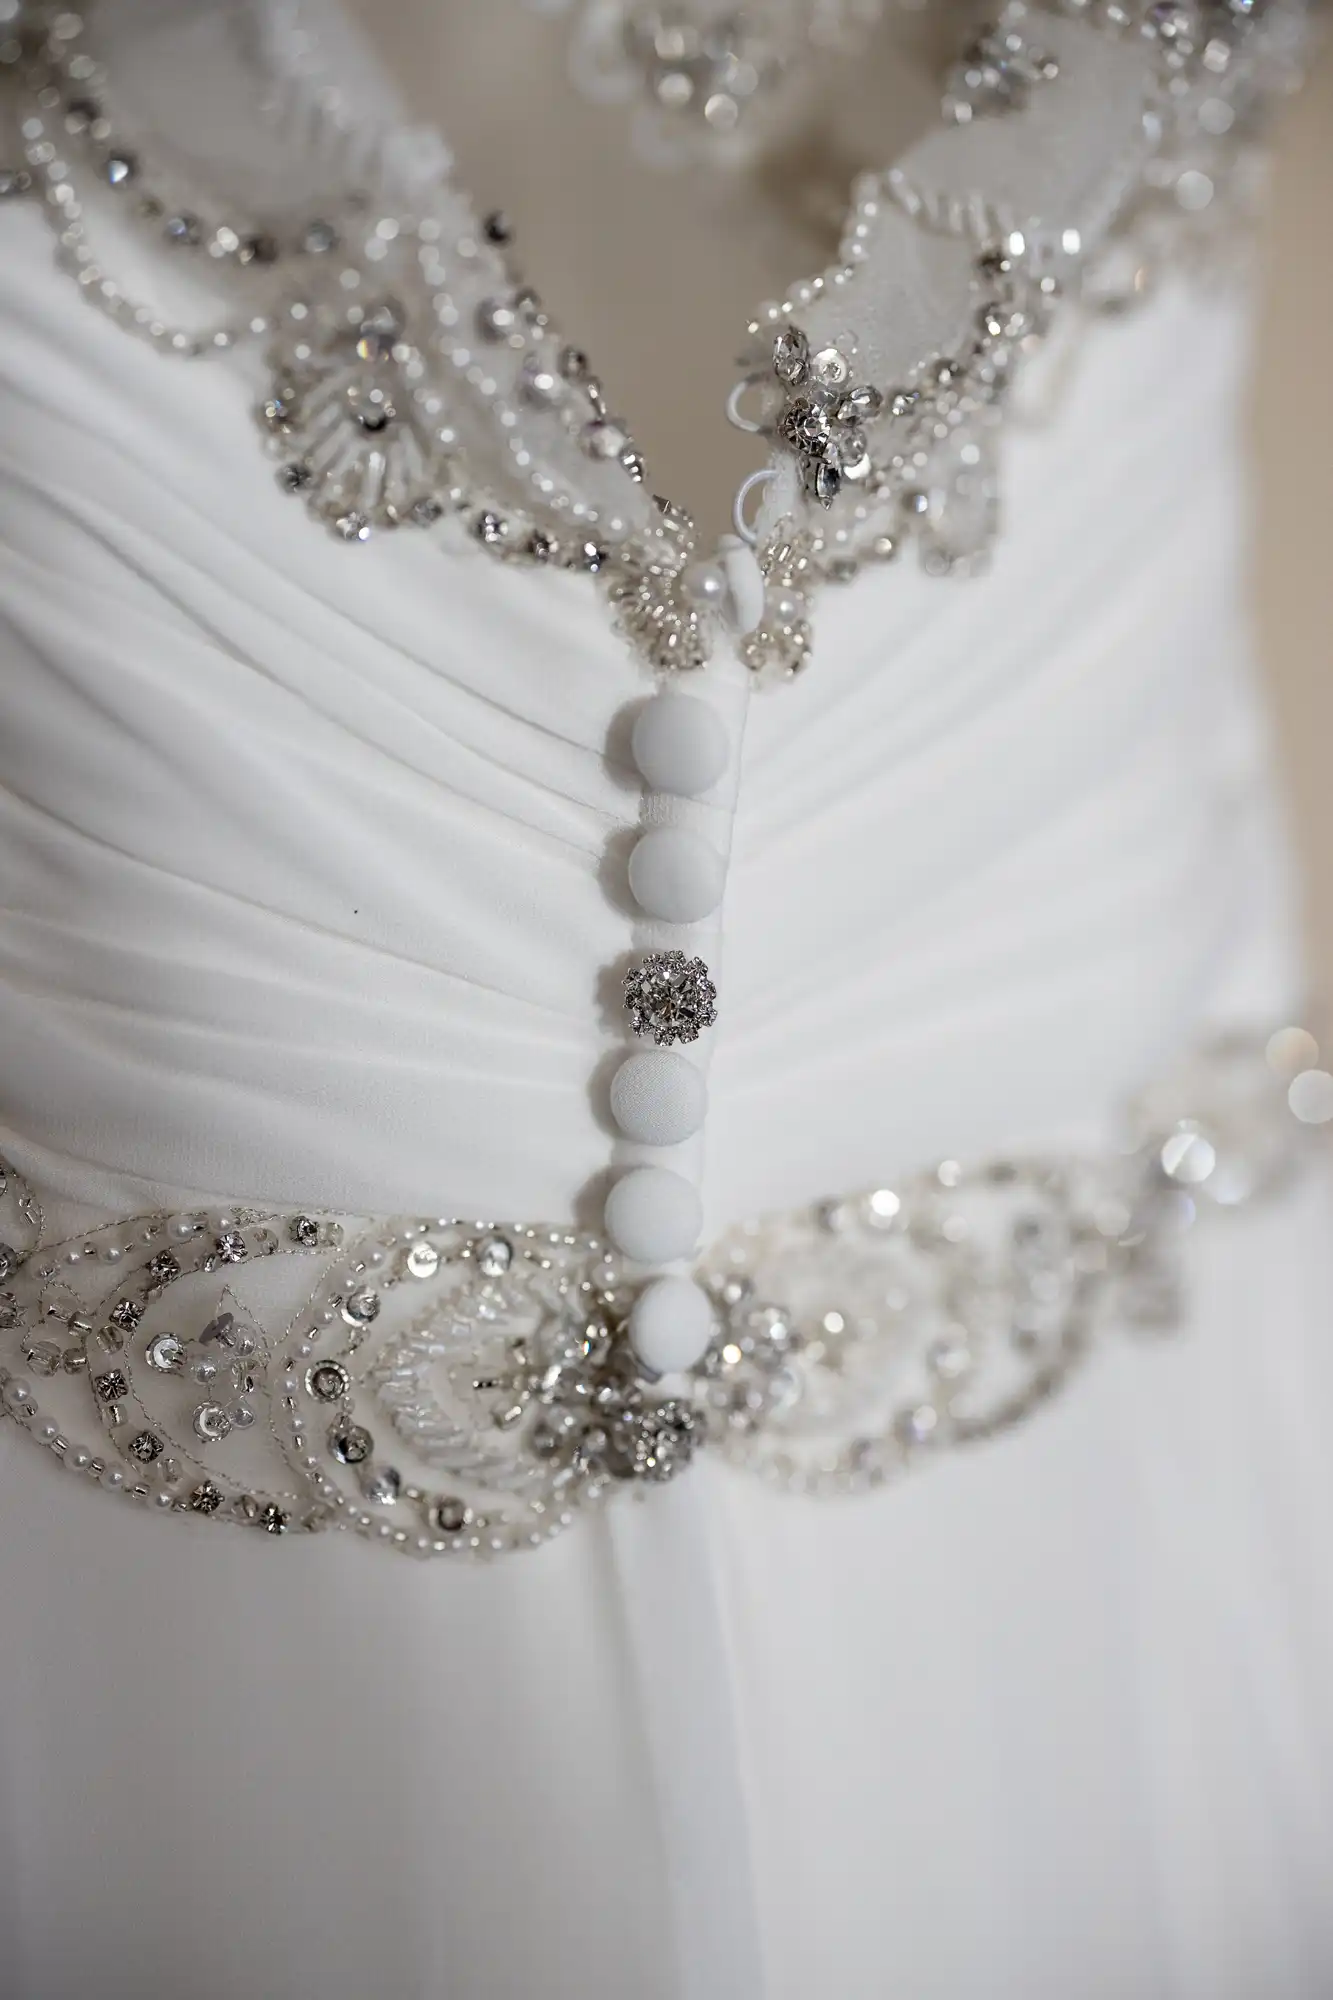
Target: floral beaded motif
x,y
416,379
456,1387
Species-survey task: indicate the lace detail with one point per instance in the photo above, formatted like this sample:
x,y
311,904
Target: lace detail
x,y
416,380
454,1387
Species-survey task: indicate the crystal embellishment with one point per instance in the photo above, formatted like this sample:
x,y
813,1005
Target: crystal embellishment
x,y
824,415
854,1339
670,997
997,73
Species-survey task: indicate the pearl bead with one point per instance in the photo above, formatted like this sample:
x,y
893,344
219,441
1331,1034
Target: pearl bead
x,y
745,584
675,875
731,586
706,585
19,1396
680,745
658,1098
653,1215
671,1324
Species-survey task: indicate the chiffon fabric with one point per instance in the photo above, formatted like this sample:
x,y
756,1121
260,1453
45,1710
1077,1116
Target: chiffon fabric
x,y
309,863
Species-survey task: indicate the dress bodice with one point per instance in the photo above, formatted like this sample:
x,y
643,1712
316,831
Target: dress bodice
x,y
319,903
310,847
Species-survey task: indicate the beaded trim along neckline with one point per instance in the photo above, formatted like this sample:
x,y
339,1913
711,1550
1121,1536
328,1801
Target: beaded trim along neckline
x,y
416,380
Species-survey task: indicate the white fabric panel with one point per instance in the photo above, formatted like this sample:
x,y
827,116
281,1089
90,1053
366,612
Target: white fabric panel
x,y
305,898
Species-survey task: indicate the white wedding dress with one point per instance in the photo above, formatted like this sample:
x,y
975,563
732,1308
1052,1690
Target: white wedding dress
x,y
305,902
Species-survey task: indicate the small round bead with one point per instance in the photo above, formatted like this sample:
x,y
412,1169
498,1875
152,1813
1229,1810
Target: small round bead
x,y
745,584
658,1098
680,745
675,875
706,585
671,1324
653,1215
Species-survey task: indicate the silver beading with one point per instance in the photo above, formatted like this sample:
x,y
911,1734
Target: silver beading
x,y
457,1387
416,380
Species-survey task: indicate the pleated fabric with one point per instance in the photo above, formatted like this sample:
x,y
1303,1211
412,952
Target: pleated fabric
x,y
308,890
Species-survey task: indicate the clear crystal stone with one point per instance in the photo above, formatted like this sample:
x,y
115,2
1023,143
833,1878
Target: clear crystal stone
x,y
351,1444
361,1307
826,483
830,367
423,1260
166,1353
496,319
495,1254
256,250
328,1381
382,1484
605,438
380,331
540,384
791,355
211,1423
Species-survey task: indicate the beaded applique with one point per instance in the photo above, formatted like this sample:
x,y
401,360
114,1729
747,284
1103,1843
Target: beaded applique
x,y
447,1387
415,379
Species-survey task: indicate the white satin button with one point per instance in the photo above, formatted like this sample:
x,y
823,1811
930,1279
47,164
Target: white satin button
x,y
680,745
658,1098
653,1215
670,1324
675,875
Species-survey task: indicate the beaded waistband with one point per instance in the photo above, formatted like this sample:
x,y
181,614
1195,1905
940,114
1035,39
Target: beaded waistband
x,y
447,1386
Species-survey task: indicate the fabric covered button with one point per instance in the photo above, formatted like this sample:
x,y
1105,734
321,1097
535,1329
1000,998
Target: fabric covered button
x,y
675,875
680,745
658,1098
671,1324
653,1215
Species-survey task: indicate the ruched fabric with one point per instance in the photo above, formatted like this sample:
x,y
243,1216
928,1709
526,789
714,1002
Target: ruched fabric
x,y
313,851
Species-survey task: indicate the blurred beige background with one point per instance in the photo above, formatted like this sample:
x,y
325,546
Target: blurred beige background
x,y
1292,425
